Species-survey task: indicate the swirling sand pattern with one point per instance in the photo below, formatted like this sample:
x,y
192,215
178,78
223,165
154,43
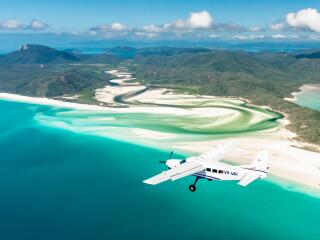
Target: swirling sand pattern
x,y
201,117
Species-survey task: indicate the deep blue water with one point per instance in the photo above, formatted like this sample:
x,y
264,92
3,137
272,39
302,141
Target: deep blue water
x,y
55,184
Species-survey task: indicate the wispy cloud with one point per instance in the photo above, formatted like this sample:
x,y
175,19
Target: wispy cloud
x,y
277,26
278,36
14,24
36,24
152,28
248,37
119,27
11,24
196,25
107,30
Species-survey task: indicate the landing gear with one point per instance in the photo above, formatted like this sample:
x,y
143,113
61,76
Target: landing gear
x,y
192,187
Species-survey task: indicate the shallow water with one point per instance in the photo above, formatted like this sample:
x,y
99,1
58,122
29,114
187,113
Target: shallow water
x,y
236,118
309,98
57,184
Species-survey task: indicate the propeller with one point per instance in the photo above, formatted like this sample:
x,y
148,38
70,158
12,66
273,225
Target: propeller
x,y
170,155
164,161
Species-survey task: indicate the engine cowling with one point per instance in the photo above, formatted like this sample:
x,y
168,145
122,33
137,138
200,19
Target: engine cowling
x,y
171,163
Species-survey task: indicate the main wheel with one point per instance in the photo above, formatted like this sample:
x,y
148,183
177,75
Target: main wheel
x,y
192,188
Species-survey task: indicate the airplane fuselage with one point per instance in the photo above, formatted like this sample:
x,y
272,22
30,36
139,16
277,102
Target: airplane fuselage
x,y
218,170
208,166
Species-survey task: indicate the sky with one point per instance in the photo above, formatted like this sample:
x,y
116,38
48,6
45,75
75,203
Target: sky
x,y
166,19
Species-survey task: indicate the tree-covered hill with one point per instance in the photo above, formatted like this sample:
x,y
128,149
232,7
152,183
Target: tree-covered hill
x,y
37,70
33,53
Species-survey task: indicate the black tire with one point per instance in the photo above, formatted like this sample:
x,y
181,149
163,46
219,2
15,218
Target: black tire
x,y
192,188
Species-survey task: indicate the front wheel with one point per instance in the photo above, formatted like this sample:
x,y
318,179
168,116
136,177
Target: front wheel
x,y
192,188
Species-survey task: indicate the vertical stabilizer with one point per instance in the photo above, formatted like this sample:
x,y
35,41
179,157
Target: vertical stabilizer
x,y
261,161
258,169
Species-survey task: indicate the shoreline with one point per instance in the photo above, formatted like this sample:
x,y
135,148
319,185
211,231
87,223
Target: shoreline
x,y
48,102
183,148
296,166
302,89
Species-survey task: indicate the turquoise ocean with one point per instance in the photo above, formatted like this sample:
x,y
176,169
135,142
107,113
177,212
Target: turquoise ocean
x,y
310,99
57,184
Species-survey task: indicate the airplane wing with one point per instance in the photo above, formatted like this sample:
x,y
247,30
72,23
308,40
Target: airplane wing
x,y
175,173
248,178
217,153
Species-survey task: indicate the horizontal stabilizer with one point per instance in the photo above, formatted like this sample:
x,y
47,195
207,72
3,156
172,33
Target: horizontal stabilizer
x,y
261,161
248,178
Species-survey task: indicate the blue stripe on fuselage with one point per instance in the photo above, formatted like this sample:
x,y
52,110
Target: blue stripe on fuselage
x,y
255,170
205,176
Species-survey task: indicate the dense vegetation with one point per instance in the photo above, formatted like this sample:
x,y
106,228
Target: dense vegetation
x,y
264,78
42,71
32,53
50,80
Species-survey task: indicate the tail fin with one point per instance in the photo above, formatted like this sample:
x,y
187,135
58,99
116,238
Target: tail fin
x,y
261,162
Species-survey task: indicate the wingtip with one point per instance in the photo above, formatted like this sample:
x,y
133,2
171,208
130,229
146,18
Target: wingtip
x,y
240,184
147,181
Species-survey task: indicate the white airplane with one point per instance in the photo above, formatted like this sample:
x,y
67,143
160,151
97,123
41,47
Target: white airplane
x,y
208,166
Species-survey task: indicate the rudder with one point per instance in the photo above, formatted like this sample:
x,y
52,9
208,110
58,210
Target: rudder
x,y
260,163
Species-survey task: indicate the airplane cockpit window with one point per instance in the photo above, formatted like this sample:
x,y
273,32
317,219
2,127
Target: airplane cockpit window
x,y
208,169
220,171
214,170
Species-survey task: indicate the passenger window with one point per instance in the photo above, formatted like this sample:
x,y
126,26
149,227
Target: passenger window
x,y
214,170
208,169
220,171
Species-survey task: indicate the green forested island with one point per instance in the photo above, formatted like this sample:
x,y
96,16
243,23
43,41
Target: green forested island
x,y
264,78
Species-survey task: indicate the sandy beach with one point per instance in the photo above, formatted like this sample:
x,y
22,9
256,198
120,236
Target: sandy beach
x,y
289,162
48,101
